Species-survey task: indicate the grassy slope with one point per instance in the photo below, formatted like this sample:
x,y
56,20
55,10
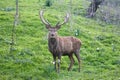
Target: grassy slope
x,y
31,58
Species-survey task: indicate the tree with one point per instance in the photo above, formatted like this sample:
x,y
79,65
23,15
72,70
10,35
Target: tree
x,y
93,7
13,28
109,12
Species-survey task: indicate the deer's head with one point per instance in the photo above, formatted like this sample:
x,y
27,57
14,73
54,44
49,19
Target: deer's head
x,y
53,30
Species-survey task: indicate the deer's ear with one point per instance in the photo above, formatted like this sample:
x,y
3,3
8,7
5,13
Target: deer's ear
x,y
58,27
48,26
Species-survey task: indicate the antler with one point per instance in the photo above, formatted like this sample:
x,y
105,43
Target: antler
x,y
65,20
42,18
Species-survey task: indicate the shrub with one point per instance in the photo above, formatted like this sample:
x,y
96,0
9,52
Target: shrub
x,y
48,3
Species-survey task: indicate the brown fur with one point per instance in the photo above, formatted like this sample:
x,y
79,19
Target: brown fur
x,y
64,45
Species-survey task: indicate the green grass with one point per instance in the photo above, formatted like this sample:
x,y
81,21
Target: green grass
x,y
31,60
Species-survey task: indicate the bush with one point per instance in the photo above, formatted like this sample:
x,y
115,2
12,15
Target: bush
x,y
48,3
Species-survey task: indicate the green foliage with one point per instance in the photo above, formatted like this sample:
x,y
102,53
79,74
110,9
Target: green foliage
x,y
31,59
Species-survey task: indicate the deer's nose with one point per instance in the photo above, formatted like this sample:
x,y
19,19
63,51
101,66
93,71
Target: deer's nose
x,y
52,34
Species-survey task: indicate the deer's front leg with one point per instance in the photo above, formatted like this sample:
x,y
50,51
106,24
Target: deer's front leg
x,y
54,62
59,59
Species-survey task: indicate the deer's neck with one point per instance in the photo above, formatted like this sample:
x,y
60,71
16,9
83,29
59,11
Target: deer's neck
x,y
52,43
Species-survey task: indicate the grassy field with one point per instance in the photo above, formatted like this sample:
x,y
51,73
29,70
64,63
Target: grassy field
x,y
31,60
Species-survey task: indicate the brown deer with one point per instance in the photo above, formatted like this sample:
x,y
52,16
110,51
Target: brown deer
x,y
61,46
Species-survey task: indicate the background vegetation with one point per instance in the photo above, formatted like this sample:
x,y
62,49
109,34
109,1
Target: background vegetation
x,y
109,12
31,60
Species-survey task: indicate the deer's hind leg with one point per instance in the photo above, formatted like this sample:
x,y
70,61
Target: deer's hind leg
x,y
78,58
71,63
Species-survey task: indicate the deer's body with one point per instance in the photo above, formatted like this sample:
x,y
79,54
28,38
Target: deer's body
x,y
62,46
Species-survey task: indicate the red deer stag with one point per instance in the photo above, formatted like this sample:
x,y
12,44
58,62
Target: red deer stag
x,y
61,46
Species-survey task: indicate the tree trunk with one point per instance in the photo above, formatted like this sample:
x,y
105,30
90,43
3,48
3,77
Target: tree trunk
x,y
93,7
13,29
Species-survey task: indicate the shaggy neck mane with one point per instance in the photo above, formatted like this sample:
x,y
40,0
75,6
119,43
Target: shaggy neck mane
x,y
52,42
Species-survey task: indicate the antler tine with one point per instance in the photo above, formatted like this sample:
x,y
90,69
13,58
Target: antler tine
x,y
42,18
66,19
